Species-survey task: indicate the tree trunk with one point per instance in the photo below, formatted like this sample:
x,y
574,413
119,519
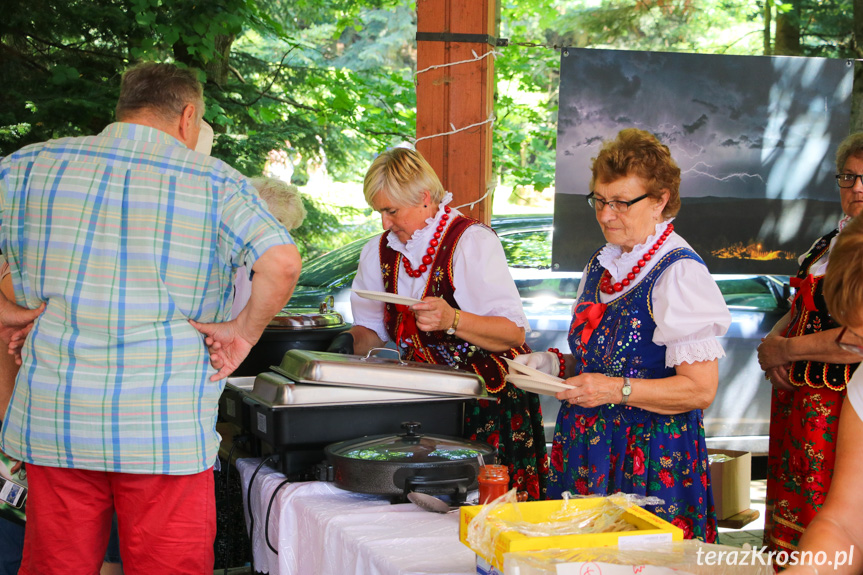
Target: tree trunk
x,y
218,68
857,90
788,31
768,19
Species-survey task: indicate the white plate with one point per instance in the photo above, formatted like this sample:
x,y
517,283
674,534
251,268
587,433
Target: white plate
x,y
386,297
535,385
521,369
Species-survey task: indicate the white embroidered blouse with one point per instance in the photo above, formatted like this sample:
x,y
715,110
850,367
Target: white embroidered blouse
x,y
688,307
483,284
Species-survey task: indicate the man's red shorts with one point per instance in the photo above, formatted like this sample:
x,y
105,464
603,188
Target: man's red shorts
x,y
167,522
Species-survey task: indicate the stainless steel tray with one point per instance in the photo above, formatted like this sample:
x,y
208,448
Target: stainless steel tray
x,y
320,367
245,383
276,391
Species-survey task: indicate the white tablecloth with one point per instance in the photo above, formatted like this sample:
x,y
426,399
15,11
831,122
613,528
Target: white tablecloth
x,y
320,529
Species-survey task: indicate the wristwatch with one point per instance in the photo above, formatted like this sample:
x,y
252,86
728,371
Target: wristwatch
x,y
454,325
627,389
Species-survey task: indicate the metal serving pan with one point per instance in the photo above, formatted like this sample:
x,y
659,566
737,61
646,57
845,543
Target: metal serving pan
x,y
297,420
374,372
231,408
278,392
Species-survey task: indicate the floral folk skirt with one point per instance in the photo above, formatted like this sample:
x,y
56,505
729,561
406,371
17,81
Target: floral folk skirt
x,y
614,448
513,426
804,423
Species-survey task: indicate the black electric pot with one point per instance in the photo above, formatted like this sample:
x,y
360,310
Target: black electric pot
x,y
395,465
292,328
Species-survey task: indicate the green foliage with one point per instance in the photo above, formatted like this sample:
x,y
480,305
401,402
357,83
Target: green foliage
x,y
825,28
333,81
278,74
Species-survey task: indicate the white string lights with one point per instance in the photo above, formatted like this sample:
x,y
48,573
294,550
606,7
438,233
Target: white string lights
x,y
455,130
493,53
490,187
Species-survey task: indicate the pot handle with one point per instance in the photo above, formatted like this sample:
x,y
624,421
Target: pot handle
x,y
328,304
382,349
458,485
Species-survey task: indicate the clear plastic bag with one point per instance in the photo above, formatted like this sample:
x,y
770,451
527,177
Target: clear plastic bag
x,y
570,519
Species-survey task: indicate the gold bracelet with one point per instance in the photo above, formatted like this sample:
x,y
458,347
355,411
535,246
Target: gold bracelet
x,y
454,326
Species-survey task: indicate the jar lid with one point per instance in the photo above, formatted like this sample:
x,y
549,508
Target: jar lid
x,y
494,472
411,447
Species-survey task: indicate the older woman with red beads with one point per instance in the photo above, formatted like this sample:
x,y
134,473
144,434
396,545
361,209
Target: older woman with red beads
x,y
644,349
470,317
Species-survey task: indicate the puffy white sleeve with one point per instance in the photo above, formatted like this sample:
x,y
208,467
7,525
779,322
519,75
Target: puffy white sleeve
x,y
369,313
690,314
483,284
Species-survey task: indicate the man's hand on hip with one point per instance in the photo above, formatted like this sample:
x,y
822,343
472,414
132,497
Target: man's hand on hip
x,y
15,324
227,347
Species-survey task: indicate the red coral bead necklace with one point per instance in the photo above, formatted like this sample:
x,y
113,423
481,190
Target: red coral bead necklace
x,y
605,285
430,251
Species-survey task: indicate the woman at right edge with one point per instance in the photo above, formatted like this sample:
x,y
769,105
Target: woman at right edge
x,y
809,373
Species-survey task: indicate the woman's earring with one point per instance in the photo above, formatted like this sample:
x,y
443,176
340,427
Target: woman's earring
x,y
425,205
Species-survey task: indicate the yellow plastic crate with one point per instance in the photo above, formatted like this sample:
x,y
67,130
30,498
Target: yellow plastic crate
x,y
649,528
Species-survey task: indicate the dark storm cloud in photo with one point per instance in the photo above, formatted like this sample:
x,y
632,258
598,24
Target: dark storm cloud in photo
x,y
755,138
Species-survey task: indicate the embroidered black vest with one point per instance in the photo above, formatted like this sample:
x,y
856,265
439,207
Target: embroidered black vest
x,y
438,347
805,321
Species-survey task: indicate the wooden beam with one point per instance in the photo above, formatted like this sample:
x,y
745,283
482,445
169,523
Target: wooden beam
x,y
458,96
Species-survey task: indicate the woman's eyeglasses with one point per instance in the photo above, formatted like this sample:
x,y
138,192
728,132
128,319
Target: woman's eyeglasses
x,y
848,180
618,206
849,347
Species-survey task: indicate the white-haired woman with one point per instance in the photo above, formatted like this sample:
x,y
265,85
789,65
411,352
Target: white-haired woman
x,y
286,204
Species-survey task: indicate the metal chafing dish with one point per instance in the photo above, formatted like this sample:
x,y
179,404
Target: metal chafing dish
x,y
321,398
374,371
293,328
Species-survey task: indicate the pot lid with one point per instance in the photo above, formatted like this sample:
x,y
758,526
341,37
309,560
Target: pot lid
x,y
411,447
306,318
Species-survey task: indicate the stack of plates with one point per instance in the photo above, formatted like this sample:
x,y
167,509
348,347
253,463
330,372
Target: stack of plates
x,y
530,379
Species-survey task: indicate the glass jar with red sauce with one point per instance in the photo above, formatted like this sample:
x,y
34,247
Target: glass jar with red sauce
x,y
493,482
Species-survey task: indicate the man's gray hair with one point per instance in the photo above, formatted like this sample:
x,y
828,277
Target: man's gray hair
x,y
162,89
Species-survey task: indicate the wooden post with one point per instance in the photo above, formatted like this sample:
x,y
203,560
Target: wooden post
x,y
458,96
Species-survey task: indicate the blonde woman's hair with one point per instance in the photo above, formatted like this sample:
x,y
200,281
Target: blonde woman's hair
x,y
843,282
639,153
283,200
403,175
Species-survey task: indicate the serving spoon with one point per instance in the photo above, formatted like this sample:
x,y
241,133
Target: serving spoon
x,y
430,503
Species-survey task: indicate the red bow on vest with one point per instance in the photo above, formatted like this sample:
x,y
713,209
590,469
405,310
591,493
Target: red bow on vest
x,y
804,288
407,329
587,316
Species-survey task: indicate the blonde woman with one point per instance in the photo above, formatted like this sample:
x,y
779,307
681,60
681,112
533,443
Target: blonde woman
x,y
470,316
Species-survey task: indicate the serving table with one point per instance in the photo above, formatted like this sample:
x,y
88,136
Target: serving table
x,y
319,529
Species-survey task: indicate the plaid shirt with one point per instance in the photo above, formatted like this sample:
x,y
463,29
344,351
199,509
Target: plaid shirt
x,y
126,235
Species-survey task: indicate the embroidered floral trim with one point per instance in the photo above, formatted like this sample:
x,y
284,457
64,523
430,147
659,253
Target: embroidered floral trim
x,y
415,249
619,263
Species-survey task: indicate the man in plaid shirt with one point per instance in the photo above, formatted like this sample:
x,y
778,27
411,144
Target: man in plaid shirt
x,y
124,245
